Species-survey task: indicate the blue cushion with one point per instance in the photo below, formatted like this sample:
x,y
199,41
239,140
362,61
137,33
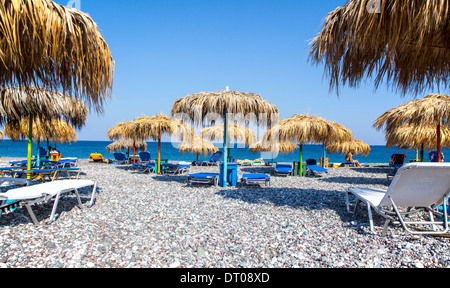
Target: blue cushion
x,y
204,175
256,176
316,168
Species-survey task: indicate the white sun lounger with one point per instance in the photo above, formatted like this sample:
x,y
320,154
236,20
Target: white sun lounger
x,y
417,187
45,192
6,182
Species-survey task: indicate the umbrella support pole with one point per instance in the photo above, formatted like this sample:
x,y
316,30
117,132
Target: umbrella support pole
x,y
159,156
134,152
438,133
30,143
300,167
225,152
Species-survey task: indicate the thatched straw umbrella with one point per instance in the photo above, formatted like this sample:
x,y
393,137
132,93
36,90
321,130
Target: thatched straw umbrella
x,y
353,145
123,143
434,109
206,106
18,102
284,147
39,103
155,127
235,132
404,42
274,147
308,129
117,133
198,146
417,137
55,130
55,46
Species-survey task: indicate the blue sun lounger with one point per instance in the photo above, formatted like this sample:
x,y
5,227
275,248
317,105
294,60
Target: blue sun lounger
x,y
255,179
214,160
283,169
120,158
170,168
204,178
144,157
311,170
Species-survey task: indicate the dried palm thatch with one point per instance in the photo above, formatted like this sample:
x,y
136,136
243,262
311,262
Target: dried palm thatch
x,y
237,132
117,132
124,143
417,137
309,129
45,105
198,146
284,147
207,106
358,146
403,42
155,127
434,109
55,130
56,47
1,134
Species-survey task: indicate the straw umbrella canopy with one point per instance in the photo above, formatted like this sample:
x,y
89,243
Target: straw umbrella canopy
x,y
304,129
124,143
206,106
39,103
117,133
198,146
55,46
237,132
155,127
284,147
344,147
275,147
55,130
433,109
417,137
404,42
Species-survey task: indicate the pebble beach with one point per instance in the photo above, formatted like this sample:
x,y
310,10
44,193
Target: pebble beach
x,y
148,221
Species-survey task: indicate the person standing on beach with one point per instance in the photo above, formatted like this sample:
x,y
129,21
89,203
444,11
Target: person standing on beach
x,y
349,158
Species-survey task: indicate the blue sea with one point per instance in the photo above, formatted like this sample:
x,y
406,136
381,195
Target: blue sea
x,y
82,150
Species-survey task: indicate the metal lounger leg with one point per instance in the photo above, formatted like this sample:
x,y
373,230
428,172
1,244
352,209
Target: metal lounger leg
x,y
94,190
31,213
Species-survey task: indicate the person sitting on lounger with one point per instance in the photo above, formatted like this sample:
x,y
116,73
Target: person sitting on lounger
x,y
247,161
349,158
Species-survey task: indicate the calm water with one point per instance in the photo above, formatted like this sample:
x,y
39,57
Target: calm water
x,y
82,150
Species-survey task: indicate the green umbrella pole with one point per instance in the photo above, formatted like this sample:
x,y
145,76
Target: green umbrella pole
x,y
30,143
301,161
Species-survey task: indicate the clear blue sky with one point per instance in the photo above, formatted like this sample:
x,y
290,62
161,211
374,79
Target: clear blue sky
x,y
165,50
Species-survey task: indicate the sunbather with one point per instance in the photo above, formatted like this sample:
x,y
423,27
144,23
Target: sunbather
x,y
349,158
247,161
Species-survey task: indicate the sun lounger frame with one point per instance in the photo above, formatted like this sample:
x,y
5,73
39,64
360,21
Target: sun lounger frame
x,y
206,178
255,179
46,197
382,202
